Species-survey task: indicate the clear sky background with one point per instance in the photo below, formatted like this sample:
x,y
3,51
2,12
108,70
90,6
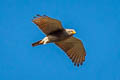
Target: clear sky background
x,y
97,23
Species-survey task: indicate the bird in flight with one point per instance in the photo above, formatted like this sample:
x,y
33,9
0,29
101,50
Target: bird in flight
x,y
63,38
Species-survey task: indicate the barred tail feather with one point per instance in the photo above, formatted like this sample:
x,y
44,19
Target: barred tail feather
x,y
37,43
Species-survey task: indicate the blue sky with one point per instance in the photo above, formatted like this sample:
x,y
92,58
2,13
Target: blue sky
x,y
97,23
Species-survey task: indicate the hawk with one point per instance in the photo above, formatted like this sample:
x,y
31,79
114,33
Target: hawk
x,y
63,38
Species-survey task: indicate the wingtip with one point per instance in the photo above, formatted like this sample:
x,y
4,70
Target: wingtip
x,y
80,64
38,15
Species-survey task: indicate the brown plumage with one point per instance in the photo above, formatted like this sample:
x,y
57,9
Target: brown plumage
x,y
47,24
74,49
63,38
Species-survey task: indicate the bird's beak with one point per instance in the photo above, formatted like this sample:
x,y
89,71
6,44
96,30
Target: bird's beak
x,y
73,32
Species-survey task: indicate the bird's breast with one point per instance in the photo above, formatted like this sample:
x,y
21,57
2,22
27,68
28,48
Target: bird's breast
x,y
58,36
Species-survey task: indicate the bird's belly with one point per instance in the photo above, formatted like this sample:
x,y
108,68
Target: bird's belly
x,y
56,38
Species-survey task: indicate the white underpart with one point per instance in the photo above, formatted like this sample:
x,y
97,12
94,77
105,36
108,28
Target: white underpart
x,y
45,40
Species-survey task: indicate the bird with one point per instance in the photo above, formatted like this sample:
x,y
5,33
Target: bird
x,y
63,38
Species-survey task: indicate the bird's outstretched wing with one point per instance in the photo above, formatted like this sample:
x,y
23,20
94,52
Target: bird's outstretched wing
x,y
74,49
47,24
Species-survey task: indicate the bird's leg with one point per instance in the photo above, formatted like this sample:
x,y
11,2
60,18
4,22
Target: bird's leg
x,y
44,41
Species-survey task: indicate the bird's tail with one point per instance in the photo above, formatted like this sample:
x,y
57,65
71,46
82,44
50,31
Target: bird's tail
x,y
37,43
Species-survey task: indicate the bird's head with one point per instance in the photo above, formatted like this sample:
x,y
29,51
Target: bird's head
x,y
70,31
